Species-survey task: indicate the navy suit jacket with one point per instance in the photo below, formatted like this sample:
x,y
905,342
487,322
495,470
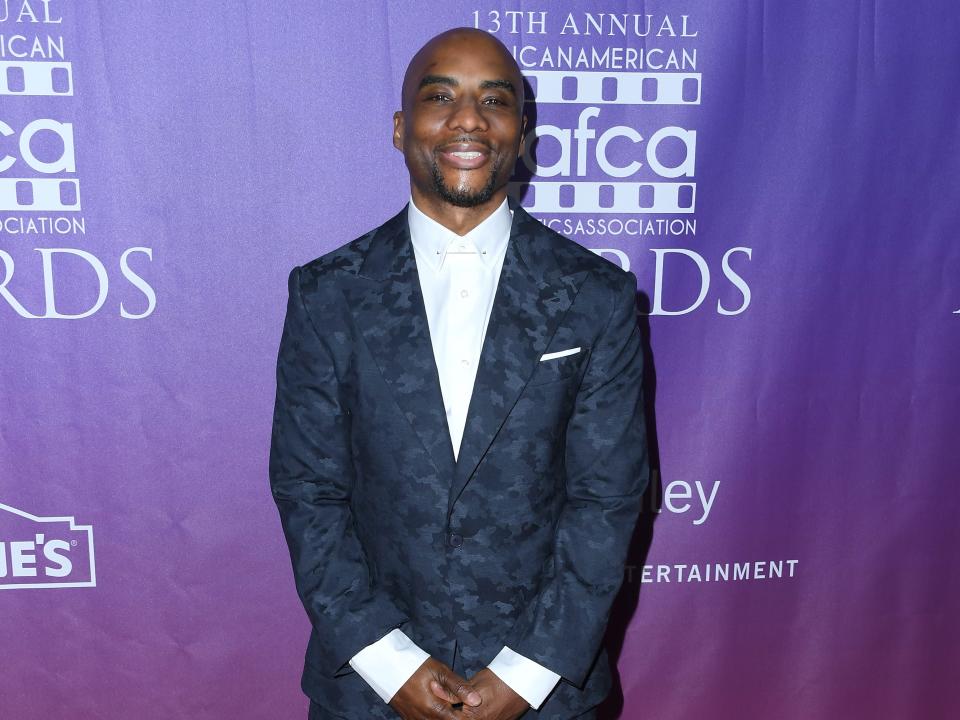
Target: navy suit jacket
x,y
522,540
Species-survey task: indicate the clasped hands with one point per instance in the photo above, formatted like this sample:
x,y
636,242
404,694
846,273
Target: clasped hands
x,y
435,692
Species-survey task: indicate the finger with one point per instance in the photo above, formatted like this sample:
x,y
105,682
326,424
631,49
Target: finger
x,y
441,692
462,689
442,711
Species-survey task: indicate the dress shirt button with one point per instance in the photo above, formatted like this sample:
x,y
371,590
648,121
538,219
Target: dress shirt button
x,y
464,293
465,362
449,411
455,540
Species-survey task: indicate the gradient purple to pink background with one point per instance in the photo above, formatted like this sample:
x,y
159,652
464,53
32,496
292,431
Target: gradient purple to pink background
x,y
236,140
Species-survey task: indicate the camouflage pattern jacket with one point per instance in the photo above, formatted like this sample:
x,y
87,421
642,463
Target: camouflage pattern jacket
x,y
522,540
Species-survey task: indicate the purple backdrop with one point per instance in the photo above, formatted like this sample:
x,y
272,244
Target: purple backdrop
x,y
778,175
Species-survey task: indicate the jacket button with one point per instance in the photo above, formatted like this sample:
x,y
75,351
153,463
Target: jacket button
x,y
455,540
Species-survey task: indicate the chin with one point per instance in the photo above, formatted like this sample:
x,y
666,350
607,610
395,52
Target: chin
x,y
465,189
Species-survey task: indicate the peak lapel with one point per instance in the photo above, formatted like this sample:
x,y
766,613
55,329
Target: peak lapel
x,y
531,299
389,310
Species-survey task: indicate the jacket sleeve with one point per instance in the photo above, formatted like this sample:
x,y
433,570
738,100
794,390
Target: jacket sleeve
x,y
606,473
312,478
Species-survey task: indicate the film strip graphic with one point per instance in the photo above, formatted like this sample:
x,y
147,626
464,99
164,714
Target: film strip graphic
x,y
40,194
36,78
614,88
605,197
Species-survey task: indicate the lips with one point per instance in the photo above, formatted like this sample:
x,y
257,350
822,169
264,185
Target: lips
x,y
466,155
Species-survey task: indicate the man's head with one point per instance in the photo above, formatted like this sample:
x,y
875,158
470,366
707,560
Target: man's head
x,y
462,122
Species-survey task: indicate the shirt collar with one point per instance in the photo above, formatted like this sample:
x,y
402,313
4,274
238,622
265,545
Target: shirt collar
x,y
432,240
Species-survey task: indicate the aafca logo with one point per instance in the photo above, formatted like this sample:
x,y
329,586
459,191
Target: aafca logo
x,y
44,552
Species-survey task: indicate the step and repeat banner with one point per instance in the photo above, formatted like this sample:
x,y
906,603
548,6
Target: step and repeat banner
x,y
781,177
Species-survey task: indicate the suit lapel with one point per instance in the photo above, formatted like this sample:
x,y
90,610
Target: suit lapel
x,y
389,310
532,297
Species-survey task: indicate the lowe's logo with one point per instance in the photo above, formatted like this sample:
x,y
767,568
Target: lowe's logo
x,y
44,552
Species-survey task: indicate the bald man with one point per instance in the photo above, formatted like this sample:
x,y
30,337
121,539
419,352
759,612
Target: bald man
x,y
458,448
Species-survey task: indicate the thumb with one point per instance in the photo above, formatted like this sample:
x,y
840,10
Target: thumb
x,y
462,689
437,688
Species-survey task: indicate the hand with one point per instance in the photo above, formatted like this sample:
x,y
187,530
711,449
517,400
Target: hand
x,y
431,692
500,702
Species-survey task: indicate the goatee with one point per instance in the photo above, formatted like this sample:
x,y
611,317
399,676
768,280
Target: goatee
x,y
465,198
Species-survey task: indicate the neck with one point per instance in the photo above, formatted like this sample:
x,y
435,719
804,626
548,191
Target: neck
x,y
460,220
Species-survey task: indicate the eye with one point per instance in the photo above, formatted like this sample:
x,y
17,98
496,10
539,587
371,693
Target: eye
x,y
438,97
493,101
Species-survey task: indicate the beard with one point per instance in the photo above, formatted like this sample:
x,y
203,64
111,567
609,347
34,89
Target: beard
x,y
462,197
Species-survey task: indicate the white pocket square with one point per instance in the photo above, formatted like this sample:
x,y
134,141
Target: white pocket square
x,y
559,354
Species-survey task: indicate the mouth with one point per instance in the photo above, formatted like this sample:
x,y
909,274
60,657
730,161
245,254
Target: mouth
x,y
465,156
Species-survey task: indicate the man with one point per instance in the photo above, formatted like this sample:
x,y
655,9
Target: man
x,y
458,445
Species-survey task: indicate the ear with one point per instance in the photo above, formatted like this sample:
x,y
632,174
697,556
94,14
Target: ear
x,y
398,130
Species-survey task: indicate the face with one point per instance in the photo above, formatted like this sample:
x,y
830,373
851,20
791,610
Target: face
x,y
462,121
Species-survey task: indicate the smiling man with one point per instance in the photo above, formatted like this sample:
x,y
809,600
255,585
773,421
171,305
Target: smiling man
x,y
458,445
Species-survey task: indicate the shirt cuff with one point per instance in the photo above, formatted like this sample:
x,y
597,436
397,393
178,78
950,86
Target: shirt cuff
x,y
388,663
527,678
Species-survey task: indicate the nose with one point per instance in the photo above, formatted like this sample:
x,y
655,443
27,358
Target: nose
x,y
466,117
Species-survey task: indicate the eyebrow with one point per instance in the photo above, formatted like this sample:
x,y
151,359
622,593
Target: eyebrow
x,y
453,82
438,80
501,84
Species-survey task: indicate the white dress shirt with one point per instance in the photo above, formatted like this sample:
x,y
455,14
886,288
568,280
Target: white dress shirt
x,y
458,278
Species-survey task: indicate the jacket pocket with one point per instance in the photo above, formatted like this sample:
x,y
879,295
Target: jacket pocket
x,y
558,368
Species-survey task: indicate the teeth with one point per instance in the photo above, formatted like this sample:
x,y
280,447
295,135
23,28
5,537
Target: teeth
x,y
467,155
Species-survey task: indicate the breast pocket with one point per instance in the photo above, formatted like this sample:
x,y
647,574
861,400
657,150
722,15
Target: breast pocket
x,y
556,367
